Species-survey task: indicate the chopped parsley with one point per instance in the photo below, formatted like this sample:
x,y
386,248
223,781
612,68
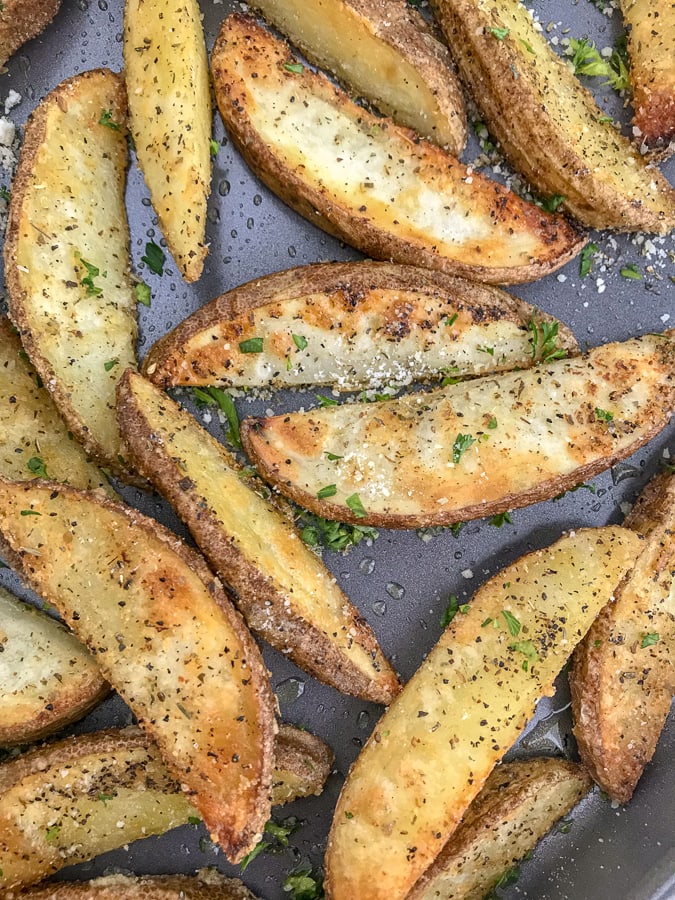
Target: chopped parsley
x,y
338,537
214,147
499,33
544,341
30,512
154,258
511,623
88,281
210,395
107,120
554,202
299,341
451,320
275,838
489,350
631,271
252,345
649,640
110,364
453,607
142,293
296,68
528,649
528,47
36,465
304,885
105,797
330,490
332,456
586,259
492,424
461,445
52,833
604,415
194,820
501,519
326,401
587,60
354,503
4,193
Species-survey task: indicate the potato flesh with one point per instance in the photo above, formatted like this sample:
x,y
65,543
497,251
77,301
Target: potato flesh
x,y
181,658
47,678
170,119
401,455
67,209
435,746
351,39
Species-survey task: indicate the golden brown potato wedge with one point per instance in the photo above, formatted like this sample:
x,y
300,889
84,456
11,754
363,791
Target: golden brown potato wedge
x,y
435,746
623,674
651,45
548,124
350,325
284,591
63,803
371,183
21,20
166,637
520,802
47,678
384,51
34,440
167,78
471,449
206,885
66,255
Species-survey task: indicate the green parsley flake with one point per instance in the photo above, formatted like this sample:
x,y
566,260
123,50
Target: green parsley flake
x,y
451,320
326,401
52,833
299,341
88,281
649,640
332,456
330,490
501,519
4,193
586,259
511,622
528,649
110,364
354,503
154,258
107,120
604,415
142,293
339,537
210,395
252,345
36,465
492,424
304,885
214,147
461,445
105,797
528,47
544,341
554,202
30,512
587,60
631,272
499,33
296,68
450,611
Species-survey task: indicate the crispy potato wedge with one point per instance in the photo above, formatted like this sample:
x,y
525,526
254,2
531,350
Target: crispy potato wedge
x,y
47,678
651,46
22,20
349,325
34,439
206,885
166,637
520,802
167,77
62,803
623,673
435,746
282,588
369,182
67,255
548,124
385,52
471,449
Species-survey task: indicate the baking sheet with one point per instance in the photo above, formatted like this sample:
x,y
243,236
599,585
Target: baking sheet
x,y
401,582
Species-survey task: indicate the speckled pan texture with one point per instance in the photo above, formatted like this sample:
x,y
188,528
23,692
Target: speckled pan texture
x,y
401,581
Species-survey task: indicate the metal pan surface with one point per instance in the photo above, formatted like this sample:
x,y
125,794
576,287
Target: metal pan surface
x,y
402,581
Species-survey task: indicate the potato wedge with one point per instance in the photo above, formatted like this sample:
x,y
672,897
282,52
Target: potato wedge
x,y
471,449
22,20
206,885
384,51
166,637
548,124
284,591
349,325
435,746
67,255
651,46
167,78
34,439
47,678
63,803
520,802
623,673
369,182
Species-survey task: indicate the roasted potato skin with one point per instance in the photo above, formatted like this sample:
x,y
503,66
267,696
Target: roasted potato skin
x,y
47,678
623,684
382,50
21,20
365,325
547,123
508,240
206,885
651,47
520,802
78,328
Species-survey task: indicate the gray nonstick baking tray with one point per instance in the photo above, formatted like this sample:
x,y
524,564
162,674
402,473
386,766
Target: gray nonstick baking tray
x,y
402,581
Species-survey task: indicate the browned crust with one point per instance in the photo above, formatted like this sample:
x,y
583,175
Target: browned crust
x,y
236,845
302,764
34,138
166,364
533,143
251,589
617,729
210,886
239,34
21,20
